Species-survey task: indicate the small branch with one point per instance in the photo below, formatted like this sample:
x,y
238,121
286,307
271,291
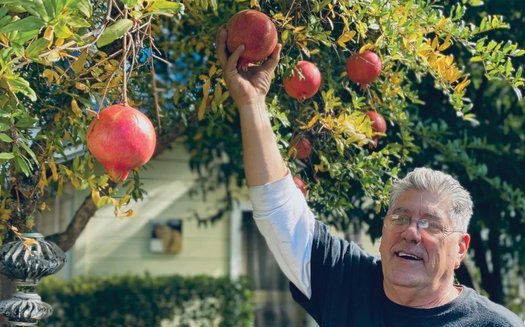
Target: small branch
x,y
124,60
153,81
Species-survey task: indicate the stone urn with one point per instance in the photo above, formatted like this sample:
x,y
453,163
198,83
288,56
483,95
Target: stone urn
x,y
26,261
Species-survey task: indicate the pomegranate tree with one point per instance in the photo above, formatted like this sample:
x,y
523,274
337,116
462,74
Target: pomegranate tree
x,y
121,138
300,147
378,125
304,82
256,31
301,185
363,68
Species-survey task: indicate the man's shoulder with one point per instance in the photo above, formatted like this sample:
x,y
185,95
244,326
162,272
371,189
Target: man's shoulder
x,y
488,310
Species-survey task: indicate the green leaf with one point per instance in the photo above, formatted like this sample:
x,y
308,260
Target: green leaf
x,y
36,48
130,3
6,155
114,32
28,151
17,84
21,165
85,8
165,6
5,138
30,23
3,127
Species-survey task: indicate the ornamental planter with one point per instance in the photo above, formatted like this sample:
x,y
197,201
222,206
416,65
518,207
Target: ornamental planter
x,y
26,261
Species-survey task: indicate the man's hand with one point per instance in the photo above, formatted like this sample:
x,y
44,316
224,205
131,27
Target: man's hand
x,y
249,87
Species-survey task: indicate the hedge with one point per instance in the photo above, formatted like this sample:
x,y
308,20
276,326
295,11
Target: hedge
x,y
166,301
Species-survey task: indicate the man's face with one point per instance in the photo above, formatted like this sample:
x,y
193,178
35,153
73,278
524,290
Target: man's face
x,y
414,258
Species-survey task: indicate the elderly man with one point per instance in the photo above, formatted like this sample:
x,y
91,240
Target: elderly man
x,y
424,233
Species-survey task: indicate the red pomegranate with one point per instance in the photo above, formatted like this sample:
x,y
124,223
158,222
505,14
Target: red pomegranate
x,y
121,138
301,185
363,68
256,31
378,126
305,81
301,147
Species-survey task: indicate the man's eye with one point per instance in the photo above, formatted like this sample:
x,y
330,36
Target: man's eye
x,y
403,220
434,227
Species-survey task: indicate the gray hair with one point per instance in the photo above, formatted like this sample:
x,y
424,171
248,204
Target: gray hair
x,y
441,184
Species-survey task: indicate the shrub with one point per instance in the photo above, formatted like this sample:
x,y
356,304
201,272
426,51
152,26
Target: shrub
x,y
148,301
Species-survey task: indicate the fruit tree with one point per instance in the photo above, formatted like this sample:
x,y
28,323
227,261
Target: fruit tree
x,y
62,61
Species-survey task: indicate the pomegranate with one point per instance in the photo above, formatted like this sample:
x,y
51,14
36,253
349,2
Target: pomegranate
x,y
301,185
363,68
256,31
378,126
301,147
121,138
305,81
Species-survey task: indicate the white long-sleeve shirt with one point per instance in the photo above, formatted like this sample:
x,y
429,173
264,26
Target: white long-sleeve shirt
x,y
284,219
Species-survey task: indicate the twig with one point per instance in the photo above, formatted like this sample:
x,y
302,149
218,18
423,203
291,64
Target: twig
x,y
124,60
153,81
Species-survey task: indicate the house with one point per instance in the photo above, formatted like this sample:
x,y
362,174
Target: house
x,y
164,238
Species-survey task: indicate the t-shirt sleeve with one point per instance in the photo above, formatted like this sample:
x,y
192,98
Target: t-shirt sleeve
x,y
344,278
284,219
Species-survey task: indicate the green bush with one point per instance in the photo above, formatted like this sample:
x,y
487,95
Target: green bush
x,y
148,301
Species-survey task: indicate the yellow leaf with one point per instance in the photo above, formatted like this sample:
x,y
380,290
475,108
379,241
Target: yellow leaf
x,y
75,108
59,42
298,29
312,121
50,75
75,182
435,42
367,46
204,102
446,43
48,34
345,37
82,87
78,65
213,70
29,242
53,167
95,196
128,213
3,38
5,214
461,86
285,35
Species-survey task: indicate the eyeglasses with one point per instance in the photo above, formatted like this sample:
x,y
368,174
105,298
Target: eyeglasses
x,y
399,222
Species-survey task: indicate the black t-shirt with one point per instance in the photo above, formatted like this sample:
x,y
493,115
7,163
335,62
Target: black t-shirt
x,y
347,290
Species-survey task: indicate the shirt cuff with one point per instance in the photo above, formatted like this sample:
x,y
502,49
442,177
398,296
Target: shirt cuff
x,y
272,195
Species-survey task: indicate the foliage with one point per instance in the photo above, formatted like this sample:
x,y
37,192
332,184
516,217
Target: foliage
x,y
488,159
148,301
58,64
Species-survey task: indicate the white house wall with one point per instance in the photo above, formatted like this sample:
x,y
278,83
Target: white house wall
x,y
112,245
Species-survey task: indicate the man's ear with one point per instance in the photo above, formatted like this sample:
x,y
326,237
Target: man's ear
x,y
463,244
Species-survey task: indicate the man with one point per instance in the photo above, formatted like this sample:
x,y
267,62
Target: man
x,y
424,233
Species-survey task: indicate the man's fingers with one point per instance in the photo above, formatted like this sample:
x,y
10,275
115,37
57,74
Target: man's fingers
x,y
231,65
272,62
220,42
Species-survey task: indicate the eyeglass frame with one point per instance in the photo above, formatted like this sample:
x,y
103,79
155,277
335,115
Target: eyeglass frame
x,y
442,230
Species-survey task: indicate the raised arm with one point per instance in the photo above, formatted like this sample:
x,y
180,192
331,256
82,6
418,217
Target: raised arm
x,y
262,159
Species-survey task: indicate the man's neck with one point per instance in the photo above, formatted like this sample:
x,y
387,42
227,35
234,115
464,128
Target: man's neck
x,y
421,298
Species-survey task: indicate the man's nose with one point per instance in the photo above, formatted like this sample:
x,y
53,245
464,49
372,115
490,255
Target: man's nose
x,y
412,232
